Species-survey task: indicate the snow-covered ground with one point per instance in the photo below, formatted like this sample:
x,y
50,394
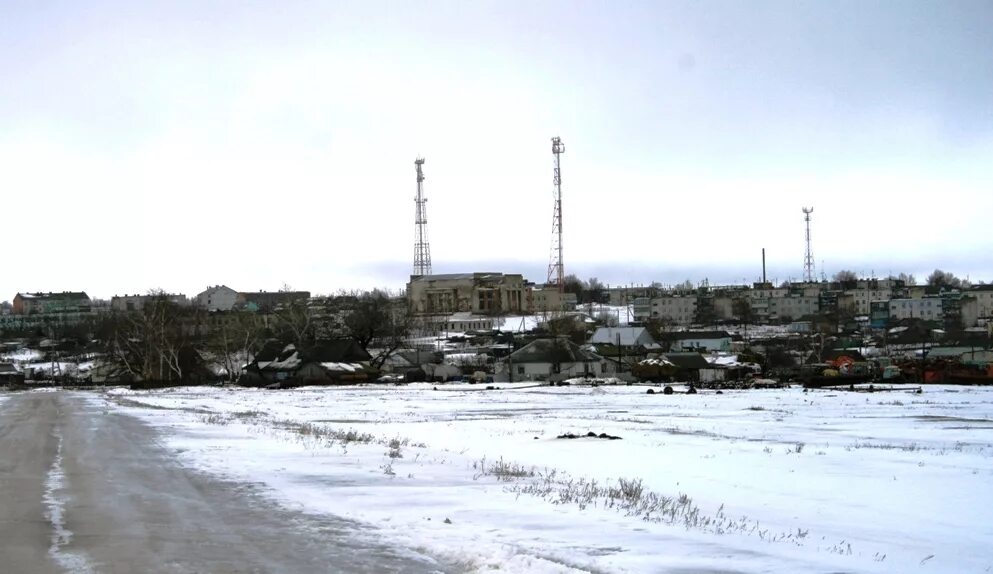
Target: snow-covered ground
x,y
32,360
771,480
22,356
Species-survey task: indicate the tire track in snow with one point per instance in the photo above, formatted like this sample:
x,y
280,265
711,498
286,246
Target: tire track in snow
x,y
55,502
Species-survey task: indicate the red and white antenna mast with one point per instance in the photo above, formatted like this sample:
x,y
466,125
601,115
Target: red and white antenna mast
x,y
808,259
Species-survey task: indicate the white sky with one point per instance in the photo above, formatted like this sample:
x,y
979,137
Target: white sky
x,y
186,144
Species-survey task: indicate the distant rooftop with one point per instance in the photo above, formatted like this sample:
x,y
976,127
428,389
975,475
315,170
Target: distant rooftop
x,y
60,295
457,276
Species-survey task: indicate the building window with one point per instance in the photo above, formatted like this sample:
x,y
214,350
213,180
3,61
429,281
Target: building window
x,y
520,370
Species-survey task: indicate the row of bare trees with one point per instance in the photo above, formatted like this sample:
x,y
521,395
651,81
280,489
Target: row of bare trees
x,y
152,344
164,341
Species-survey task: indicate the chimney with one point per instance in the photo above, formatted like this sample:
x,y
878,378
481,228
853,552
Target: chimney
x,y
763,265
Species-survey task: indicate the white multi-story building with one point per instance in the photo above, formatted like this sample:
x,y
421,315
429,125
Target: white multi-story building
x,y
927,308
862,297
983,294
793,306
768,293
977,306
678,309
723,307
217,298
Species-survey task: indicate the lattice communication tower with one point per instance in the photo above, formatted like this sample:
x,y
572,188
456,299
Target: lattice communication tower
x,y
422,250
556,269
808,259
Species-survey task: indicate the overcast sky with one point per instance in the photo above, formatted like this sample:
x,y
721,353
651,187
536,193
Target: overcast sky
x,y
178,145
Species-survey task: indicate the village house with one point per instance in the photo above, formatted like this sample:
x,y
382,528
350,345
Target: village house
x,y
624,337
692,367
339,361
551,359
623,346
9,375
703,341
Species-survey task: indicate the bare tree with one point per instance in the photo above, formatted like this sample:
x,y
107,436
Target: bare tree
x,y
567,326
237,338
378,320
939,278
845,276
658,326
595,291
149,344
293,323
908,280
607,319
572,284
741,308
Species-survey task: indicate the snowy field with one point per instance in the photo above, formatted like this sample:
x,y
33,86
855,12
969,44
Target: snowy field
x,y
745,481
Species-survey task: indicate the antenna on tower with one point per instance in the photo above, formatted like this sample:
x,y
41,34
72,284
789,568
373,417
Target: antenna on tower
x,y
422,250
556,271
808,260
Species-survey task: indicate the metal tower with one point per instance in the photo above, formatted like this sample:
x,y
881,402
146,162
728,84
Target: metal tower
x,y
422,250
556,271
808,260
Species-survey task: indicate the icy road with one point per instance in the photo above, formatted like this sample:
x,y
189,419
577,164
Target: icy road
x,y
84,489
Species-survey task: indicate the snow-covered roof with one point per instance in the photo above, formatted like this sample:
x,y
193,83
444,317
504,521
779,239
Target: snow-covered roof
x,y
684,335
347,367
288,364
518,323
443,277
466,317
629,336
54,295
553,351
657,362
